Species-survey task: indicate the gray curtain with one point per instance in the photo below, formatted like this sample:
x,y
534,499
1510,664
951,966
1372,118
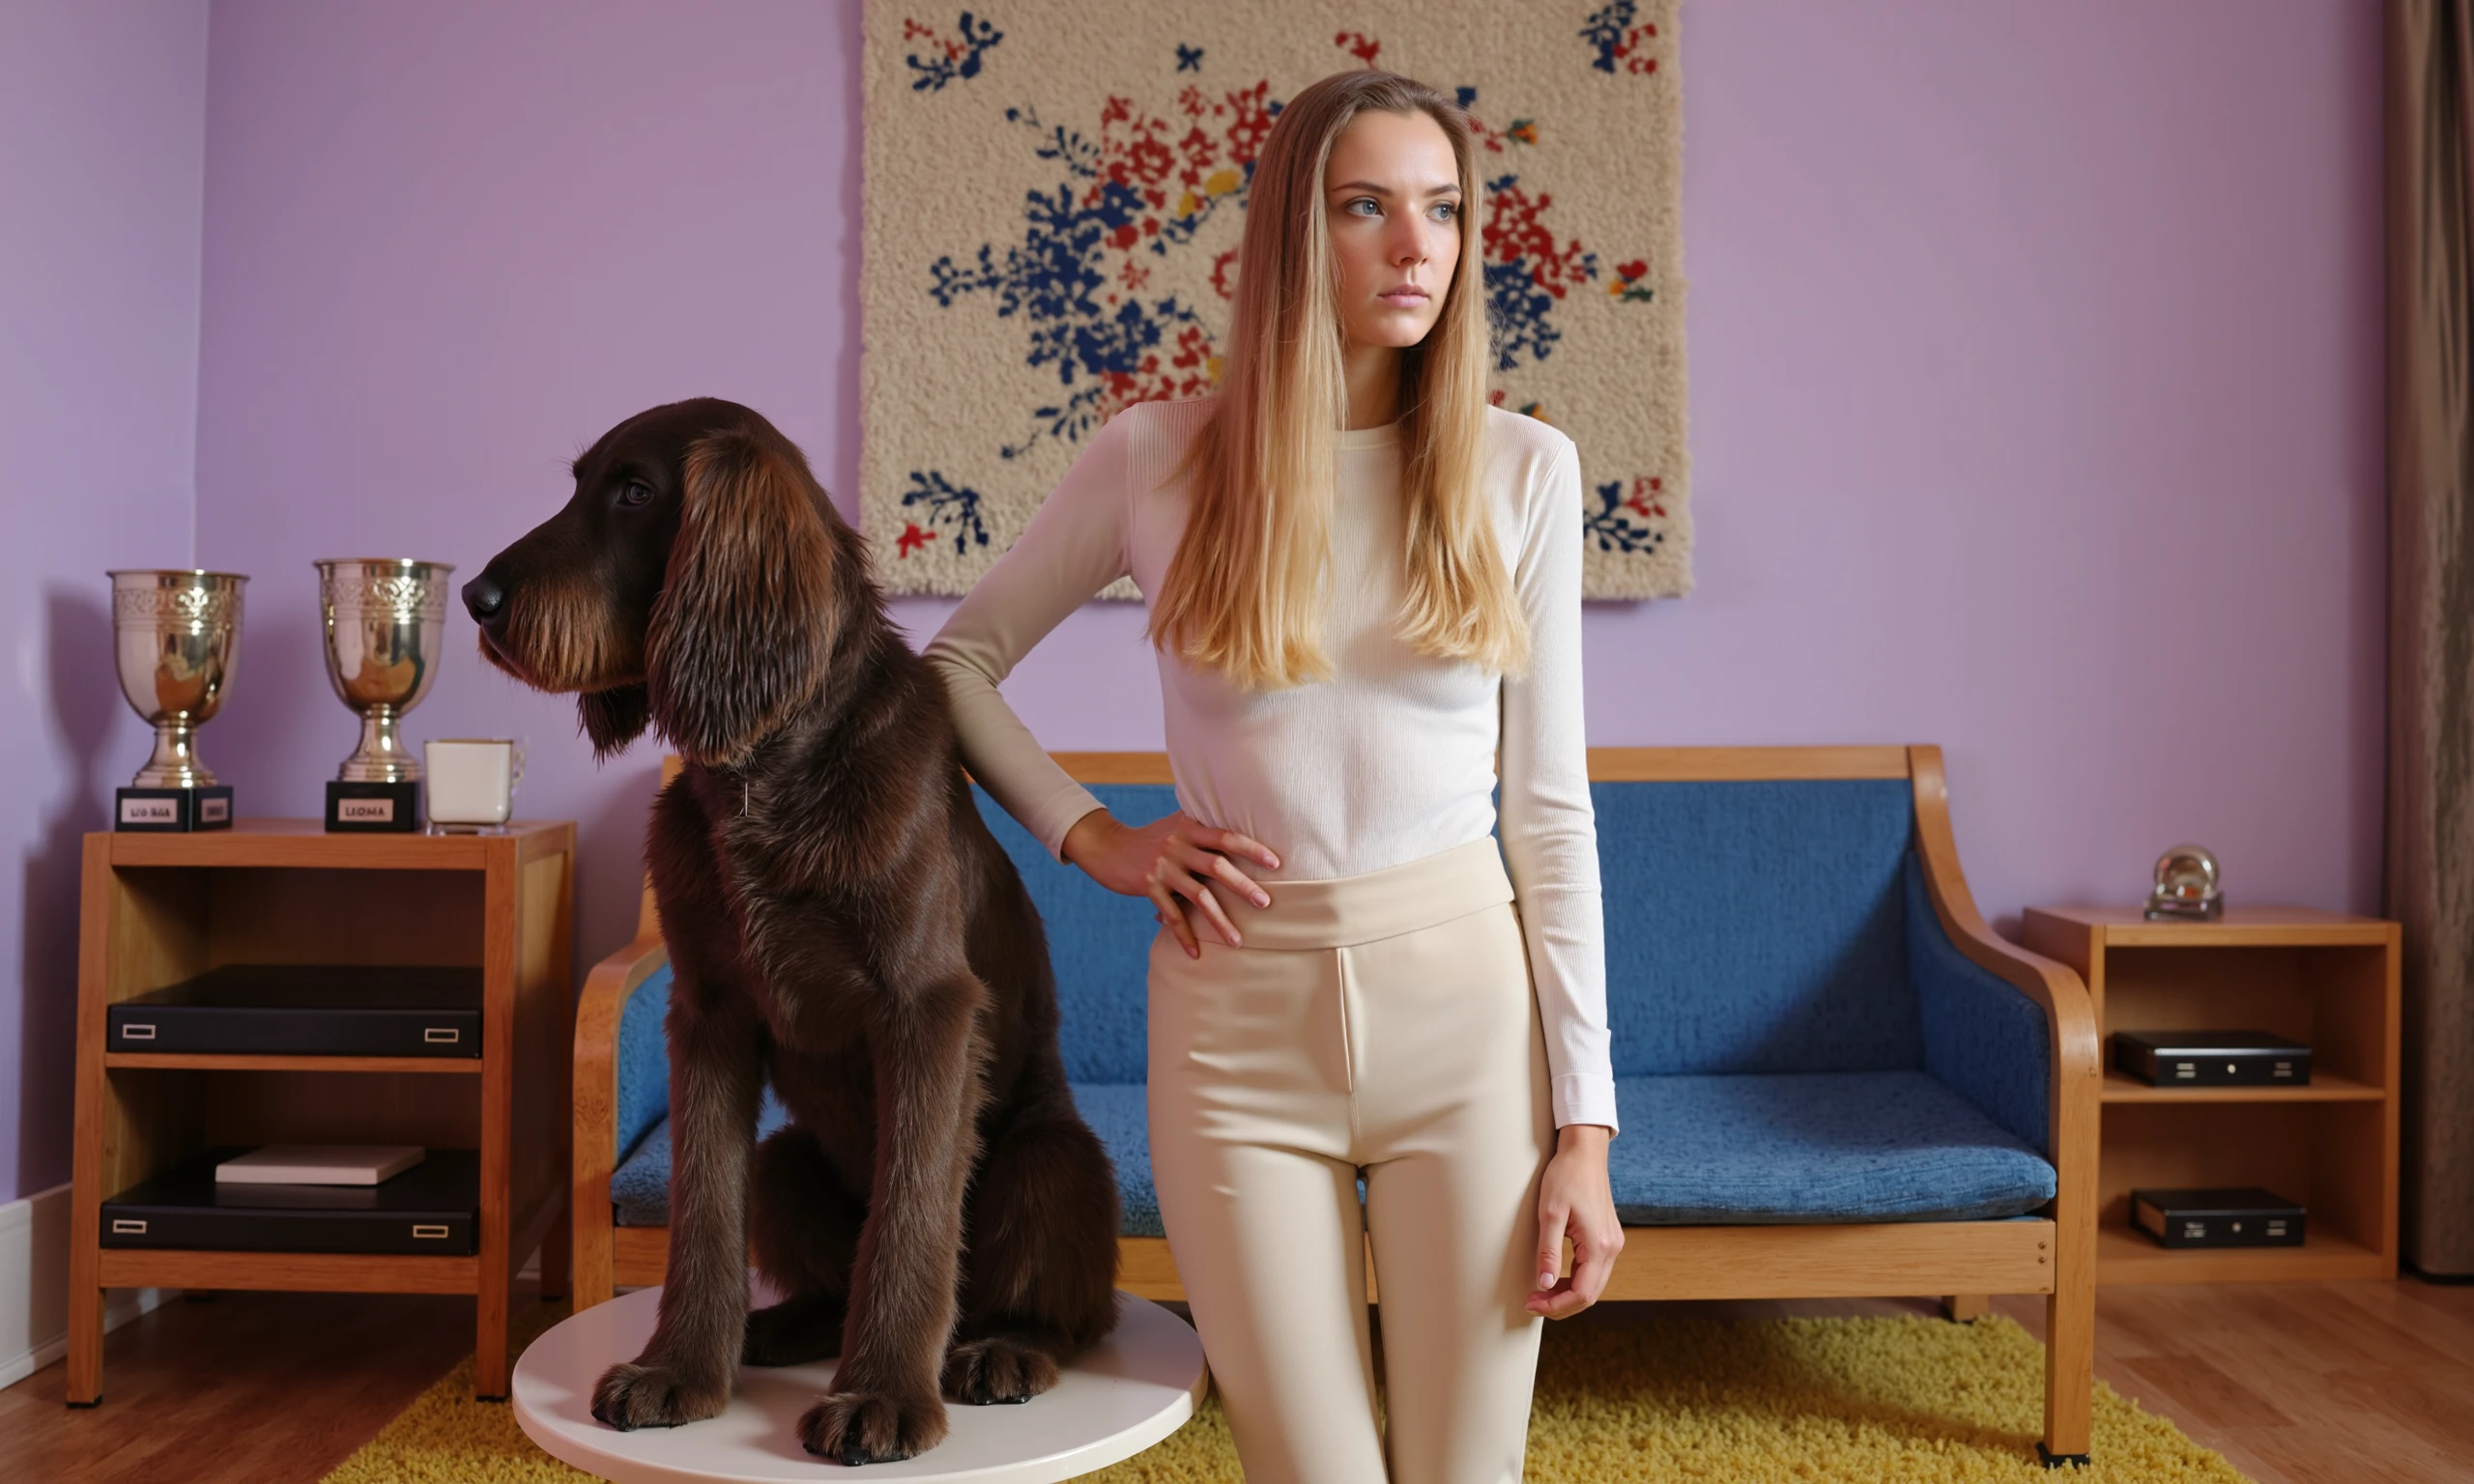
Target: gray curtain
x,y
2431,690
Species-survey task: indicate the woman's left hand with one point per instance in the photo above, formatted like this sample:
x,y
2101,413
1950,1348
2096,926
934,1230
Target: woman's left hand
x,y
1574,1200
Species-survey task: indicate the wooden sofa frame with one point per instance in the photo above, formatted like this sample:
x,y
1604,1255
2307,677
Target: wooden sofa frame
x,y
2052,1253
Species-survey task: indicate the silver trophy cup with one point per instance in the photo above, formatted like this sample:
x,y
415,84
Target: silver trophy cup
x,y
385,620
176,635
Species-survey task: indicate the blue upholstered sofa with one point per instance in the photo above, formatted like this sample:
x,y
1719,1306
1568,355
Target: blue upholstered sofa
x,y
1833,1080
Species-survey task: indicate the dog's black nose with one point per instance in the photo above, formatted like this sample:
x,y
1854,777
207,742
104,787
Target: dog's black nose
x,y
483,597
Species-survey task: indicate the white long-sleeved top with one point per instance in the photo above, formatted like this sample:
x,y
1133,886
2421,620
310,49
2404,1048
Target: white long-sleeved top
x,y
1394,759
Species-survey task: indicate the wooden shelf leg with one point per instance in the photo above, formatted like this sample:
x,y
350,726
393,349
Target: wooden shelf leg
x,y
1966,1308
85,1335
489,1340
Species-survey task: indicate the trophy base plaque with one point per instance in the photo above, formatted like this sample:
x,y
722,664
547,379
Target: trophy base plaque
x,y
172,810
373,809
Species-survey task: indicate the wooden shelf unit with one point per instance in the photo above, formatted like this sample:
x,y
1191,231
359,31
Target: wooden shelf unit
x,y
156,909
2325,978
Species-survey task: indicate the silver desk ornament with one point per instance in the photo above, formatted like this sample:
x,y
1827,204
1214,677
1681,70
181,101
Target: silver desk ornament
x,y
2186,887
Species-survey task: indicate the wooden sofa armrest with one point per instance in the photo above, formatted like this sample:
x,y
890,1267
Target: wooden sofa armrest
x,y
604,1004
2078,1073
2078,1063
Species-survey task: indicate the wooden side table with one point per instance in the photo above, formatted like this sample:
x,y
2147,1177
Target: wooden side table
x,y
2327,979
157,909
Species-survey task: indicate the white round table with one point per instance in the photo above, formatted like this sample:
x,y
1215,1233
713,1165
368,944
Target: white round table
x,y
1128,1392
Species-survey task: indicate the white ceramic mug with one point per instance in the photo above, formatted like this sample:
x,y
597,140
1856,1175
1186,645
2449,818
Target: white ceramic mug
x,y
471,781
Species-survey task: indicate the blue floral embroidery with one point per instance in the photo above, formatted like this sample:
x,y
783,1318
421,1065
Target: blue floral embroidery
x,y
1054,279
1527,272
1611,31
1076,277
949,506
1619,523
1605,28
1517,311
947,60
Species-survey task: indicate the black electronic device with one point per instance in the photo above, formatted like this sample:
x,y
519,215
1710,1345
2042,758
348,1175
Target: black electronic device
x,y
431,1209
307,1010
2212,1058
2229,1216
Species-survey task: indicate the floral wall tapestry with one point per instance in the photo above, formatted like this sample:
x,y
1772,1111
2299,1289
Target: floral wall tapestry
x,y
1054,193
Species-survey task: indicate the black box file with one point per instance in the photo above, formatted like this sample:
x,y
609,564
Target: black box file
x,y
430,1208
307,1010
2240,1216
2212,1058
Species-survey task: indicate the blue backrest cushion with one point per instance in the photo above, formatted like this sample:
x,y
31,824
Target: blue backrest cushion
x,y
1757,927
1099,941
642,1066
1750,926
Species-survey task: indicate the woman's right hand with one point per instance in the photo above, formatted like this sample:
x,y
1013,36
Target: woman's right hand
x,y
1168,860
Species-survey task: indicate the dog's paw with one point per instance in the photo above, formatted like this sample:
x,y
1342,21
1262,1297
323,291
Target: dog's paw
x,y
870,1427
792,1334
630,1396
982,1372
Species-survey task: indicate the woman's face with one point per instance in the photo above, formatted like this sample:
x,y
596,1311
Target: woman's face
x,y
1392,198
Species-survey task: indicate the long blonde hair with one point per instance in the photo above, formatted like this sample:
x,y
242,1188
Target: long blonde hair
x,y
1244,591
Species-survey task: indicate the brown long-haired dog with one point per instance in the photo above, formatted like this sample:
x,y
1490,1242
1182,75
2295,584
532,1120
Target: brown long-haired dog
x,y
839,918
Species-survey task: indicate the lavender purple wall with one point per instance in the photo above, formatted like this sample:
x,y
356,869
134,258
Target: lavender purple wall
x,y
2036,392
101,157
2037,377
446,244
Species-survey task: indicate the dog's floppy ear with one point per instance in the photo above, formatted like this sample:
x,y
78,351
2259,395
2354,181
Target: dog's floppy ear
x,y
612,718
745,623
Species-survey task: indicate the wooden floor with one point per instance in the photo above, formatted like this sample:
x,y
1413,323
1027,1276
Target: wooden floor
x,y
2293,1383
266,1387
2300,1382
2297,1383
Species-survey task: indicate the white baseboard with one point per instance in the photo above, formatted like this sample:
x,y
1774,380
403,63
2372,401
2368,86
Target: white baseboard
x,y
34,1286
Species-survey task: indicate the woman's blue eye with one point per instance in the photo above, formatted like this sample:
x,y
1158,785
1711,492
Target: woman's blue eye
x,y
1365,201
1447,210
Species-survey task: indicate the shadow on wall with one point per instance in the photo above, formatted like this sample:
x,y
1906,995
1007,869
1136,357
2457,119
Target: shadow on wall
x,y
84,689
610,842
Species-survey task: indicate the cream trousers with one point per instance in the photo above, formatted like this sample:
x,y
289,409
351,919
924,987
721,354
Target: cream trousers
x,y
1380,1024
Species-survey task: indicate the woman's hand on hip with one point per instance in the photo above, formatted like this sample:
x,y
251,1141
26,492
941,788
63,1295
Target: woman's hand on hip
x,y
1575,1201
1169,861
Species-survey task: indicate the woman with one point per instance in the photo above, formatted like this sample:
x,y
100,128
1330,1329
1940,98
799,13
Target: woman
x,y
1365,596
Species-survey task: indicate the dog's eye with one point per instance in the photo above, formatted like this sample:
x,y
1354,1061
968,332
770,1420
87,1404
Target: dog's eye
x,y
635,493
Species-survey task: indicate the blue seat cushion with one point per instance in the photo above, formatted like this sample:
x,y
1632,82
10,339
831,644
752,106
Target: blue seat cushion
x,y
1114,1110
1801,1147
1817,1148
640,1187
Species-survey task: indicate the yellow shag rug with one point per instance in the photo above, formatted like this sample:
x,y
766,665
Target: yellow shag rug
x,y
1799,1399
